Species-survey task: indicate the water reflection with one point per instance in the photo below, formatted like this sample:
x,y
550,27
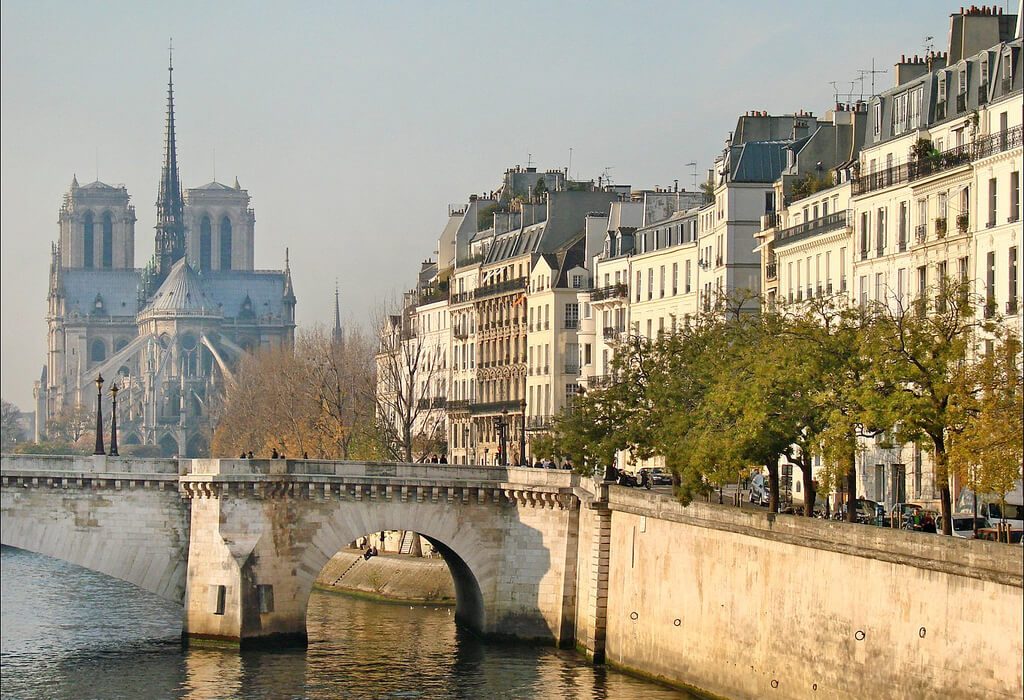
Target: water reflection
x,y
70,633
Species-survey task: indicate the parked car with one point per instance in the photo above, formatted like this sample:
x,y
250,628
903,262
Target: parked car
x,y
759,490
660,477
964,524
868,512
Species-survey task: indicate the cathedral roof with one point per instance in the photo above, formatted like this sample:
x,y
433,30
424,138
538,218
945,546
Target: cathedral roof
x,y
118,288
97,185
215,186
182,293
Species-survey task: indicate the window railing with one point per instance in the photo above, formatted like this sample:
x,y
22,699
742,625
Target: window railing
x,y
940,227
572,368
571,324
612,332
1011,307
491,290
436,402
1005,84
771,270
921,233
961,103
485,407
937,162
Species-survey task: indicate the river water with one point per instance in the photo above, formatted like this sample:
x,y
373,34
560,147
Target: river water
x,y
66,632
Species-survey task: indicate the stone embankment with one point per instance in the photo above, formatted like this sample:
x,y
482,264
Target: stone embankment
x,y
390,577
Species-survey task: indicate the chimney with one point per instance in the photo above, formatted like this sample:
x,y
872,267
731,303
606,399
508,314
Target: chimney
x,y
976,29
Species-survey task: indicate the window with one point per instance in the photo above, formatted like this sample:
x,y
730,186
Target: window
x,y
990,283
97,351
689,277
639,279
88,240
962,268
877,111
922,282
941,92
1011,289
863,290
961,81
572,315
865,225
991,202
675,278
225,243
587,354
108,241
650,283
880,233
1014,196
661,282
903,226
205,245
577,281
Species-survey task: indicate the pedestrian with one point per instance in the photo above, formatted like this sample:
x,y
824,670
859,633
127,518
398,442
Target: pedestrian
x,y
273,453
443,460
242,456
305,455
537,464
249,455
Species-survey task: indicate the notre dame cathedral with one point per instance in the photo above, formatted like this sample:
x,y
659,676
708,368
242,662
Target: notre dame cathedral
x,y
168,334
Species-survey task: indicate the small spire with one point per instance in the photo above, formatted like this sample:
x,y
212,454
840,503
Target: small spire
x,y
237,186
74,181
336,335
289,291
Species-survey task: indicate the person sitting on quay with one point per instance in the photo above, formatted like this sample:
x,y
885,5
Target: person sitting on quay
x,y
273,453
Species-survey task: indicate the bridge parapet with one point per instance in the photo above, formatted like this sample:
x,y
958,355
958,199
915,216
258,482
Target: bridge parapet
x,y
375,481
87,464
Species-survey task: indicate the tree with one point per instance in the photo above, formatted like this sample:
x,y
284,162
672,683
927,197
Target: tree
x,y
10,425
918,375
74,423
343,379
988,453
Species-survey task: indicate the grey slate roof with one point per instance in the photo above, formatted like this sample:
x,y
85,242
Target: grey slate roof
x,y
118,288
182,293
228,289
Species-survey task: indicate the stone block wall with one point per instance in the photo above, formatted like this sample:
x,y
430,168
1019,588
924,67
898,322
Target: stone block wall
x,y
744,605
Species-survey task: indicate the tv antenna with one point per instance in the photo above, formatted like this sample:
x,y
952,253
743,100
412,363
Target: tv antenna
x,y
928,45
568,171
846,95
693,164
864,73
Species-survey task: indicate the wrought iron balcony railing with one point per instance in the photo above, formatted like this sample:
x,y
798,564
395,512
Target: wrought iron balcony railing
x,y
823,224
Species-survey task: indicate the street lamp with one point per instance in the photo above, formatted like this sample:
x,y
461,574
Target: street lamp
x,y
113,421
99,416
501,423
522,435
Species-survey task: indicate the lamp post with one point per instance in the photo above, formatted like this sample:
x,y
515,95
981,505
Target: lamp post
x,y
113,421
502,424
99,416
522,435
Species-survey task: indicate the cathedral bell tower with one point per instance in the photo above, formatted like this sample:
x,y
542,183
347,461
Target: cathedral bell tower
x,y
170,220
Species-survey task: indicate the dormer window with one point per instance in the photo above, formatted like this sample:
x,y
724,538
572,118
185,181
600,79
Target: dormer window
x,y
941,92
961,81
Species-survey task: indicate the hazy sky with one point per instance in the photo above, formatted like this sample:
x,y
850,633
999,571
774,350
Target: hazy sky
x,y
355,125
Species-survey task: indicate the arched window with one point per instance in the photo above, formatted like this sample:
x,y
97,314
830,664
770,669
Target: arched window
x,y
97,351
87,240
108,240
205,244
225,243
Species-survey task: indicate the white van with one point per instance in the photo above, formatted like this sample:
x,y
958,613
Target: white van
x,y
1011,511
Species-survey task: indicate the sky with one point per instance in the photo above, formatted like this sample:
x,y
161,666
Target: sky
x,y
354,125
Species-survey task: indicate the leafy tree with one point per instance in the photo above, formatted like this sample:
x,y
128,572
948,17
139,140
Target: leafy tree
x,y
988,453
918,376
73,424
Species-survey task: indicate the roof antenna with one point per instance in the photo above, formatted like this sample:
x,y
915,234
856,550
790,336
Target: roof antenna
x,y
97,164
693,164
568,171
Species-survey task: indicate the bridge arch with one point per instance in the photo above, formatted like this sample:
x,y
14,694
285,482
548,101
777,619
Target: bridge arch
x,y
470,557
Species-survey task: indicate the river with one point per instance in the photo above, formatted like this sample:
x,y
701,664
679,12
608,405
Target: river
x,y
66,632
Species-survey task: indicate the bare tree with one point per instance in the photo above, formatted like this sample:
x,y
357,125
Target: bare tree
x,y
10,425
342,379
409,410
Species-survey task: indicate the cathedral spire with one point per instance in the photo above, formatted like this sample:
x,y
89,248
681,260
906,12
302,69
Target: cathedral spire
x,y
170,227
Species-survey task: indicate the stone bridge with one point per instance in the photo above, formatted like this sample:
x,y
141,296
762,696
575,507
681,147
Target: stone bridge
x,y
240,542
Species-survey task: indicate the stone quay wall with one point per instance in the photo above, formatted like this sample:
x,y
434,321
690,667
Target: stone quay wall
x,y
747,605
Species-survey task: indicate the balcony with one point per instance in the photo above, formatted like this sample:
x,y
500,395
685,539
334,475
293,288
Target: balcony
x,y
824,224
436,402
998,143
612,291
599,381
769,220
458,406
572,369
940,227
864,254
507,287
539,422
460,333
771,270
613,332
930,165
901,244
961,103
920,233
